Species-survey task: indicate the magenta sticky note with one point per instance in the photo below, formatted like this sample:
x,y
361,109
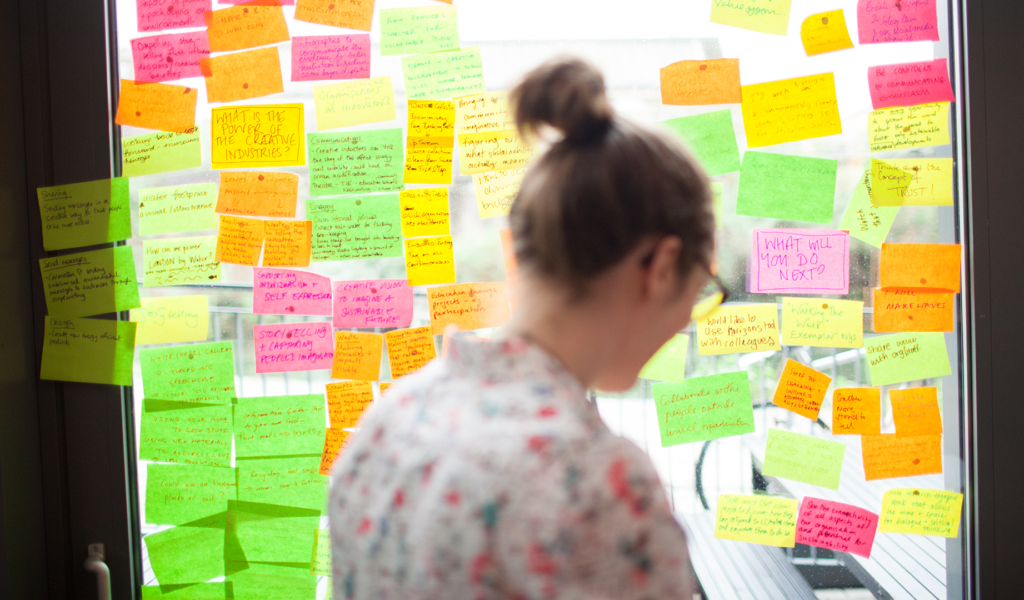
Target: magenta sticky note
x,y
799,261
836,526
320,57
372,303
909,84
880,21
155,15
265,2
293,347
289,292
169,56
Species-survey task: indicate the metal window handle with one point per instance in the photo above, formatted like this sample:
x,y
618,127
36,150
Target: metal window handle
x,y
95,564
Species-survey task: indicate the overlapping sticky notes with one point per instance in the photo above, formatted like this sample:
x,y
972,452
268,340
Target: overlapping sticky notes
x,y
916,411
900,357
350,14
889,183
799,261
354,227
825,32
496,190
357,355
881,21
912,309
354,103
202,373
789,110
156,106
857,411
887,455
483,112
826,323
279,426
286,347
242,75
931,181
186,554
468,306
865,221
258,194
909,84
179,261
733,329
346,401
83,214
669,362
189,436
240,240
88,350
424,212
355,163
178,494
921,511
246,26
409,349
267,135
287,243
921,265
801,389
704,408
803,458
288,292
794,188
167,319
372,303
274,534
170,56
492,151
274,580
904,127
284,481
756,519
712,139
333,442
430,141
443,74
172,14
90,283
321,560
324,57
177,208
160,152
418,29
430,260
836,526
766,16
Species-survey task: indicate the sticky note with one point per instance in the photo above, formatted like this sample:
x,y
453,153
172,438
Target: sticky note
x,y
912,309
492,151
409,349
354,103
170,56
186,554
160,152
321,561
285,482
353,227
372,303
187,436
825,32
287,243
717,193
803,458
279,425
711,138
351,14
733,329
83,214
424,212
277,534
357,355
669,362
418,29
836,526
825,323
480,113
801,389
881,21
508,253
333,442
693,82
443,75
346,401
88,350
177,208
154,15
273,580
888,184
887,456
324,57
358,162
430,260
263,194
268,135
90,283
921,511
288,292
169,319
789,110
180,261
793,188
771,16
240,240
903,127
865,221
384,385
900,357
496,190
856,411
756,519
931,181
704,408
429,160
921,265
178,494
799,261
916,411
909,84
468,306
287,347
159,106
197,591
245,26
202,373
242,75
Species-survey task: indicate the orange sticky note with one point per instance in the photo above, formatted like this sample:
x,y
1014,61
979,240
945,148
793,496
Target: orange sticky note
x,y
255,194
916,411
351,14
888,456
239,241
242,75
508,251
690,82
409,349
801,389
156,106
912,309
857,411
384,386
287,243
357,355
468,306
825,32
934,266
245,26
346,401
334,441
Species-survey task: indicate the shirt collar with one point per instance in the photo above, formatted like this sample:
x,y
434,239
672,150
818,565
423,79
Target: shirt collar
x,y
509,358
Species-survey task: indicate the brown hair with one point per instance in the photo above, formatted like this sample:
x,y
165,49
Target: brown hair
x,y
605,186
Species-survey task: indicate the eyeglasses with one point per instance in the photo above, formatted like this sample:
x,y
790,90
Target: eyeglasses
x,y
710,298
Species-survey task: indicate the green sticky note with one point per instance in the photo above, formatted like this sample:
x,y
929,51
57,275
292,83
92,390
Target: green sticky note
x,y
259,535
197,435
356,162
321,564
418,29
283,481
356,227
866,222
186,554
717,194
190,373
160,152
196,591
793,188
179,494
88,350
444,74
83,214
903,357
704,408
177,208
261,581
180,261
712,139
669,362
90,283
803,458
280,426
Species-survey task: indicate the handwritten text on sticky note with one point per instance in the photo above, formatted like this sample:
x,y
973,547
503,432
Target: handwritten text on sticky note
x,y
82,214
690,82
359,162
170,56
468,306
904,127
288,292
163,320
704,408
430,260
856,411
909,84
346,401
825,32
800,261
756,519
320,57
794,188
803,458
496,190
372,303
821,322
912,309
354,103
934,266
258,194
801,389
900,357
409,349
771,16
790,110
836,526
90,283
88,350
887,456
293,347
443,75
357,355
915,411
881,21
921,511
354,227
160,152
733,329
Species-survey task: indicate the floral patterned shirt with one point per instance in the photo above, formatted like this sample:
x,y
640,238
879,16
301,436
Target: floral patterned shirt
x,y
486,475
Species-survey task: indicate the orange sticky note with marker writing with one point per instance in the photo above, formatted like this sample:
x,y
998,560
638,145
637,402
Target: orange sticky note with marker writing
x,y
346,401
690,82
825,32
409,349
287,243
242,75
239,240
857,411
887,456
934,266
156,106
255,194
245,26
357,355
801,389
334,441
468,306
351,14
916,411
912,309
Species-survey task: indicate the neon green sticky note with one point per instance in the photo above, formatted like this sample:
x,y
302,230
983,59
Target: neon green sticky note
x,y
260,581
269,533
321,564
717,195
280,425
180,261
160,152
178,494
766,16
190,591
83,214
418,29
356,227
793,188
90,283
177,208
192,373
356,162
186,554
172,319
704,408
88,350
865,221
669,362
284,481
197,435
803,458
903,357
443,75
712,139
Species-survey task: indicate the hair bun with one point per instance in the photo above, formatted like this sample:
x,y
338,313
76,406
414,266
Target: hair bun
x,y
568,94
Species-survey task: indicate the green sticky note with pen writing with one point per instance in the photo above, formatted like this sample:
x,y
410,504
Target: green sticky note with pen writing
x,y
83,214
356,162
903,357
280,426
160,152
177,208
669,362
294,482
704,408
792,188
803,458
187,554
269,533
712,139
321,564
192,434
443,75
418,29
178,494
90,283
865,221
356,227
88,350
203,373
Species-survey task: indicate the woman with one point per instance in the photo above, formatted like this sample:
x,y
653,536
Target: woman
x,y
488,474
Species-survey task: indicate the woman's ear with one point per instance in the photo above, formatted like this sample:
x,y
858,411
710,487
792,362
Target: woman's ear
x,y
662,272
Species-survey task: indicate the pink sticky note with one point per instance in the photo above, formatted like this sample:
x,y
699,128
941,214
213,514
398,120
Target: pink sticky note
x,y
263,2
293,347
155,15
372,303
288,292
799,261
909,84
319,57
836,526
880,21
169,56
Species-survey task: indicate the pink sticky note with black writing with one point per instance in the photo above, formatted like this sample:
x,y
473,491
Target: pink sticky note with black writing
x,y
799,261
880,21
169,56
289,292
156,15
910,84
293,347
836,526
372,303
320,57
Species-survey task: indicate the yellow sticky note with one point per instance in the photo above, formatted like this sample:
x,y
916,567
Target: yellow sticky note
x,y
492,151
766,16
239,240
825,32
409,349
357,355
171,319
789,110
481,113
430,260
888,184
431,118
915,411
495,191
156,106
756,519
424,212
320,564
921,511
428,160
931,181
354,102
258,135
242,75
733,329
909,127
822,322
